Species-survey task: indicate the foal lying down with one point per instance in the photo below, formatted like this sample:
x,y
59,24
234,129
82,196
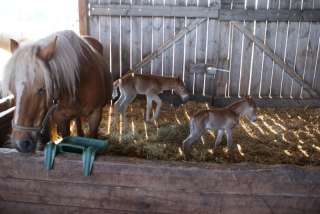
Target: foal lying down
x,y
150,85
221,119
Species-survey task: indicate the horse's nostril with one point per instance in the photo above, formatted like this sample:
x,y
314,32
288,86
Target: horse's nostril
x,y
25,146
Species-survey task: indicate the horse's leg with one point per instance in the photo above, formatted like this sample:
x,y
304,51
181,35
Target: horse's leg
x,y
187,143
94,120
218,138
79,127
229,139
149,107
157,99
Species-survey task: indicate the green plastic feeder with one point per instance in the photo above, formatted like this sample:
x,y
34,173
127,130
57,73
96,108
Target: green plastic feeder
x,y
88,147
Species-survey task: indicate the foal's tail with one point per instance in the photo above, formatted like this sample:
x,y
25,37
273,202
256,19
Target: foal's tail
x,y
116,85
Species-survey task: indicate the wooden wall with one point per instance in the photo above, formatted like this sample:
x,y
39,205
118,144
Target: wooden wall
x,y
127,40
122,185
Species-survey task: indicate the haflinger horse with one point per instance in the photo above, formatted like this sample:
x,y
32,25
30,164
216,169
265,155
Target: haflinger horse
x,y
57,78
221,119
131,84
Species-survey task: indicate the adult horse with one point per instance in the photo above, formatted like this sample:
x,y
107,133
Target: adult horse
x,y
60,77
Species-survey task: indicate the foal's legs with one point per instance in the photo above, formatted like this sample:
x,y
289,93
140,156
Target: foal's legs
x,y
218,138
150,98
94,120
229,139
157,99
117,107
124,106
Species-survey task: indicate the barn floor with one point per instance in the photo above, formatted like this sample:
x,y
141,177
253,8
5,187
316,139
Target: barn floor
x,y
290,136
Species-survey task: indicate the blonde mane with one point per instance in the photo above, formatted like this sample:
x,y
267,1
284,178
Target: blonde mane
x,y
62,71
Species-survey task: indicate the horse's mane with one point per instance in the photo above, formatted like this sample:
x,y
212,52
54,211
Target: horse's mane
x,y
63,72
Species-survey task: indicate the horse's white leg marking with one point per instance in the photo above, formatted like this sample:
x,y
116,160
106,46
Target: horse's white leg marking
x,y
229,139
218,138
149,106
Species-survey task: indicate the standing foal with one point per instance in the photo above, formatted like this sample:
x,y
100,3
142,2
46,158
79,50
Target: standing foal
x,y
150,85
221,119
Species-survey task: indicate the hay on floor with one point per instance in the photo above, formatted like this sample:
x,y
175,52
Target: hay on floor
x,y
279,136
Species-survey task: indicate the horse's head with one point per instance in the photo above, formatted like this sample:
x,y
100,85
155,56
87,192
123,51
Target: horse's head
x,y
251,109
181,90
25,77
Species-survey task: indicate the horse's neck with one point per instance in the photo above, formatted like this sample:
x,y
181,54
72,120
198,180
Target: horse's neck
x,y
238,107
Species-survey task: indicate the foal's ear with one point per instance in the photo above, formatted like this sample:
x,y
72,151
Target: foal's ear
x,y
14,45
46,53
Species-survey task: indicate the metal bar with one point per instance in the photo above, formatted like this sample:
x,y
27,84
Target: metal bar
x,y
268,51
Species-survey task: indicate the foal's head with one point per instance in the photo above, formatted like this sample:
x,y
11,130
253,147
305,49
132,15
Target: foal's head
x,y
180,89
250,109
25,78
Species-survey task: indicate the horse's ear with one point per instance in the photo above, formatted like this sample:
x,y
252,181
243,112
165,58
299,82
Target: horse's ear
x,y
46,53
14,45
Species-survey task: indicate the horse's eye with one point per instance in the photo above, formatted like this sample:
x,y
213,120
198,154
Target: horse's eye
x,y
41,91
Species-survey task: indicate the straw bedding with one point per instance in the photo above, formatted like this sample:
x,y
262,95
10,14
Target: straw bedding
x,y
289,136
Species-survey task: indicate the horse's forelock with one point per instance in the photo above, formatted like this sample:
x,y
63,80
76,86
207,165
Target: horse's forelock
x,y
62,70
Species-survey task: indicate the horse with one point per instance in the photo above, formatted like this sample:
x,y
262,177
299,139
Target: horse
x,y
57,78
221,119
131,84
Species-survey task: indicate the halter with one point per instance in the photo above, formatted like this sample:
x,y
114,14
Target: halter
x,y
43,124
45,120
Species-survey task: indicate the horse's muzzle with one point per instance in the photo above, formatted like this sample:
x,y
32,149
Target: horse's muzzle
x,y
25,146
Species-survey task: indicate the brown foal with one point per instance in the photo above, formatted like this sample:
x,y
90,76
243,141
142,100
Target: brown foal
x,y
150,85
221,119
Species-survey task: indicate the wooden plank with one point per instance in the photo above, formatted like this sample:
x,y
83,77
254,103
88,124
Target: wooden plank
x,y
104,36
258,63
83,17
289,54
271,15
277,60
147,37
191,51
235,58
308,48
167,35
93,21
147,10
179,45
247,54
200,50
168,44
157,39
136,38
38,208
148,201
200,12
280,43
275,102
115,171
301,44
212,52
